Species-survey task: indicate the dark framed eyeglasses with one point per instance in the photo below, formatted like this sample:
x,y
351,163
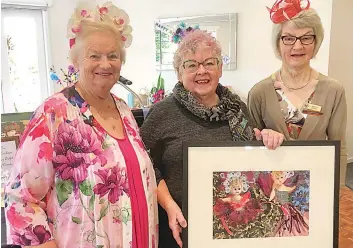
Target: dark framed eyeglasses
x,y
209,64
305,39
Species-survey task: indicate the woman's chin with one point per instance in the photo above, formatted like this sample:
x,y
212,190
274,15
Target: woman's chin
x,y
204,90
297,64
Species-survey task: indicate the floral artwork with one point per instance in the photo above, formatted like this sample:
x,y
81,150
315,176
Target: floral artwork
x,y
13,128
260,204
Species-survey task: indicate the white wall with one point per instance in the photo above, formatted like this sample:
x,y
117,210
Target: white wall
x,y
341,58
255,55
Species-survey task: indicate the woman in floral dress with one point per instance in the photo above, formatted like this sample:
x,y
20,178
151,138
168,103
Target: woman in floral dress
x,y
81,176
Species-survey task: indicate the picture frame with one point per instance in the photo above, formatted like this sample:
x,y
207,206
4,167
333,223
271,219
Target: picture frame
x,y
241,194
9,146
14,124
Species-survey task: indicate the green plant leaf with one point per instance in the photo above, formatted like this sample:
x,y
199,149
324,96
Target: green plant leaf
x,y
153,90
63,190
125,215
100,246
160,84
103,211
76,220
102,200
159,81
86,188
91,202
105,145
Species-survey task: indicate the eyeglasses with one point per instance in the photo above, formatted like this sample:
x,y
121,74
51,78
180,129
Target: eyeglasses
x,y
210,64
305,39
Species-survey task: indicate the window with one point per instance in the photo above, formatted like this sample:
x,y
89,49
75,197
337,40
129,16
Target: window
x,y
165,49
24,80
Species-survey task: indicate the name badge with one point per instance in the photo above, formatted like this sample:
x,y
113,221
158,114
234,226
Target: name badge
x,y
309,108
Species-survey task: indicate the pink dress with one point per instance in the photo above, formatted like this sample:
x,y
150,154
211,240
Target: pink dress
x,y
77,185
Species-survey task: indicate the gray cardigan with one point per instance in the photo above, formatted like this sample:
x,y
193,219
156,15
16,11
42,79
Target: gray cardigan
x,y
167,125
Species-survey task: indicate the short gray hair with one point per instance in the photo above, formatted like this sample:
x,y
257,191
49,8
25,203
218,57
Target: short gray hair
x,y
190,42
305,19
90,27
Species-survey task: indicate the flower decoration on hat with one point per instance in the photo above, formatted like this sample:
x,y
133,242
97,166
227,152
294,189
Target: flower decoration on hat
x,y
105,13
181,31
284,10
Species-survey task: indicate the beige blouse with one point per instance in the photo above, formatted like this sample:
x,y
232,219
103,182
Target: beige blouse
x,y
264,109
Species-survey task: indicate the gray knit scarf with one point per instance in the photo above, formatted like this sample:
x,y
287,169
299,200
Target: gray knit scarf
x,y
230,108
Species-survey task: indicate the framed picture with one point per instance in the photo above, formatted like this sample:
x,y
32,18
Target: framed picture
x,y
9,147
240,194
14,124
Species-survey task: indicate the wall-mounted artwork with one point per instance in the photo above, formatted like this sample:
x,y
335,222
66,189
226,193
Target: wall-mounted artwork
x,y
223,27
9,146
13,124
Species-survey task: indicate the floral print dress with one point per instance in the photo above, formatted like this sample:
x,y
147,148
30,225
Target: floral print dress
x,y
294,117
71,181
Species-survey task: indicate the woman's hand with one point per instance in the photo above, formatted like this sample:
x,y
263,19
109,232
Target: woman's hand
x,y
176,220
270,138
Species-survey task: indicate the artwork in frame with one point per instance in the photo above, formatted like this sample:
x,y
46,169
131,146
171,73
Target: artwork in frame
x,y
14,124
9,147
241,194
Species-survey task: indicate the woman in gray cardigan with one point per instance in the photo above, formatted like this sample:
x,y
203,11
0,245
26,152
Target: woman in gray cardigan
x,y
200,109
298,101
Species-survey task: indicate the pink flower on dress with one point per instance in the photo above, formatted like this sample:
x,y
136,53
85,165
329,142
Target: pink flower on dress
x,y
45,151
129,128
40,127
73,146
133,133
56,106
73,166
76,137
115,183
32,236
16,220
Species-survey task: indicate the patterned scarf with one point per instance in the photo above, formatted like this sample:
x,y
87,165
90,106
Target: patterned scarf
x,y
230,108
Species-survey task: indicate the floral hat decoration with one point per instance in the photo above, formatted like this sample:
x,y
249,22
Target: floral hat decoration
x,y
104,13
182,30
284,10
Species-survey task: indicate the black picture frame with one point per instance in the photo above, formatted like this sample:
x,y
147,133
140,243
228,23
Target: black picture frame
x,y
334,146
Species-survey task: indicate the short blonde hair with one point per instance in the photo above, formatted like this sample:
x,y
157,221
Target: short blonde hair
x,y
189,44
237,182
305,19
286,174
87,28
